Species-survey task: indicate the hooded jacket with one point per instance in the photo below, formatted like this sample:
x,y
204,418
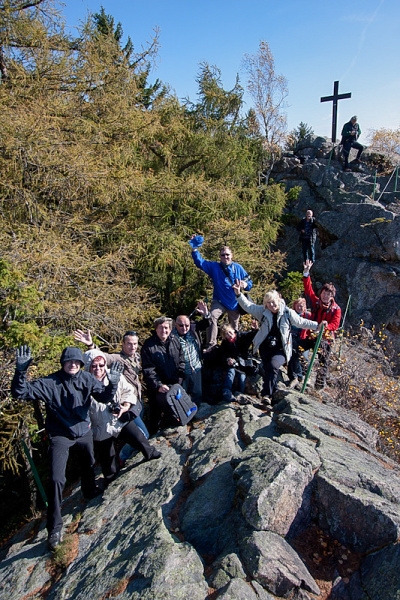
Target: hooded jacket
x,y
104,422
286,318
67,397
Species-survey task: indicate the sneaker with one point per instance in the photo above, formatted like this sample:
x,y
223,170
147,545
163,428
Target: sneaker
x,y
266,400
53,540
293,383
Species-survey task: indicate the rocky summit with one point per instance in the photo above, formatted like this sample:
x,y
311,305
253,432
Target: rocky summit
x,y
246,503
358,216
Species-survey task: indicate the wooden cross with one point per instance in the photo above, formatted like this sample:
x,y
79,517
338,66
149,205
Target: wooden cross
x,y
336,96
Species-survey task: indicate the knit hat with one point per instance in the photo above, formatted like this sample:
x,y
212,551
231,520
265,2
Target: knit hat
x,y
71,353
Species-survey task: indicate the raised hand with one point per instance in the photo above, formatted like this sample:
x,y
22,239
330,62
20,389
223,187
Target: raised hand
x,y
237,287
84,337
23,358
307,266
116,370
196,241
202,308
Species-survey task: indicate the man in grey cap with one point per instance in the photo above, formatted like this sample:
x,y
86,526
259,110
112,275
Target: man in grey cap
x,y
350,133
67,395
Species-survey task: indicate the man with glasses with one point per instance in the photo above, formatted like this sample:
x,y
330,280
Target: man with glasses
x,y
223,275
190,341
130,358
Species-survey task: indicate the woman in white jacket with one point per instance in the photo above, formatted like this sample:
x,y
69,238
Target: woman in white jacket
x,y
110,422
273,339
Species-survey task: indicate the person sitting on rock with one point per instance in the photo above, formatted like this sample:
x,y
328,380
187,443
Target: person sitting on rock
x,y
116,420
234,351
67,394
323,309
274,338
350,133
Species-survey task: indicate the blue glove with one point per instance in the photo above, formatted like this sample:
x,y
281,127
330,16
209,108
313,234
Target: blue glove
x,y
196,242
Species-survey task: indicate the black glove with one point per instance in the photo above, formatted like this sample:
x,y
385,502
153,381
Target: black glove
x,y
23,358
116,370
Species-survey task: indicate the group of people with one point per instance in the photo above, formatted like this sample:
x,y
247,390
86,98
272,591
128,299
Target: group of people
x,y
96,397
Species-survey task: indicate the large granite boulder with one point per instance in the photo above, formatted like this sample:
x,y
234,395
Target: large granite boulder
x,y
221,513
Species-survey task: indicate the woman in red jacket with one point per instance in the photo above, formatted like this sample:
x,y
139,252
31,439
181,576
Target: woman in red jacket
x,y
323,308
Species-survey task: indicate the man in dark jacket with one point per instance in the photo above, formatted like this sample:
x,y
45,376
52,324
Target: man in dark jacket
x,y
308,235
163,365
350,133
67,396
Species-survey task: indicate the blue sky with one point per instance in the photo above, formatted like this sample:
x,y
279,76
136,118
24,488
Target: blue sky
x,y
314,43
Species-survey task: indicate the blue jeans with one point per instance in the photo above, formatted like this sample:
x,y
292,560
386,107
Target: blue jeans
x,y
230,379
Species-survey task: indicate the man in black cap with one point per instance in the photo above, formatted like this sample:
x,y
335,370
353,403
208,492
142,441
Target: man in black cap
x,y
67,394
350,133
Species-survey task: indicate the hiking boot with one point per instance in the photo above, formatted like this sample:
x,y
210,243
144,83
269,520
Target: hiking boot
x,y
154,455
97,491
53,540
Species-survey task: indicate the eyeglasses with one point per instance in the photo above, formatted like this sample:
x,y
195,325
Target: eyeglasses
x,y
183,324
98,366
228,255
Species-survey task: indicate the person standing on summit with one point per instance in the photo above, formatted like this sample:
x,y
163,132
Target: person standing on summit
x,y
308,235
223,275
350,133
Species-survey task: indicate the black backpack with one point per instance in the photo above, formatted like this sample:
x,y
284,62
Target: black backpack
x,y
179,405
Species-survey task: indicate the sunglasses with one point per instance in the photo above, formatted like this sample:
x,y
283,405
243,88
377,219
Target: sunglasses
x,y
97,366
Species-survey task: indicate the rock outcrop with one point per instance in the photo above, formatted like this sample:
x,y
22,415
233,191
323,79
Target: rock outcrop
x,y
235,509
359,229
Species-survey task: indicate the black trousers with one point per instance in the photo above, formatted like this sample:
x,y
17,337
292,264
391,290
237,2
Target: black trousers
x,y
58,455
272,361
105,450
347,146
324,358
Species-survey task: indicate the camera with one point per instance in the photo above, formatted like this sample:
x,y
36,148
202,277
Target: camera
x,y
114,406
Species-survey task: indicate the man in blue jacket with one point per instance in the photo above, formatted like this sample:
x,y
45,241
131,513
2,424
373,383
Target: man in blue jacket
x,y
223,275
67,394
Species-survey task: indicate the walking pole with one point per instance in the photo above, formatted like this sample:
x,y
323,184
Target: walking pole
x,y
373,192
342,327
35,473
395,181
314,354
